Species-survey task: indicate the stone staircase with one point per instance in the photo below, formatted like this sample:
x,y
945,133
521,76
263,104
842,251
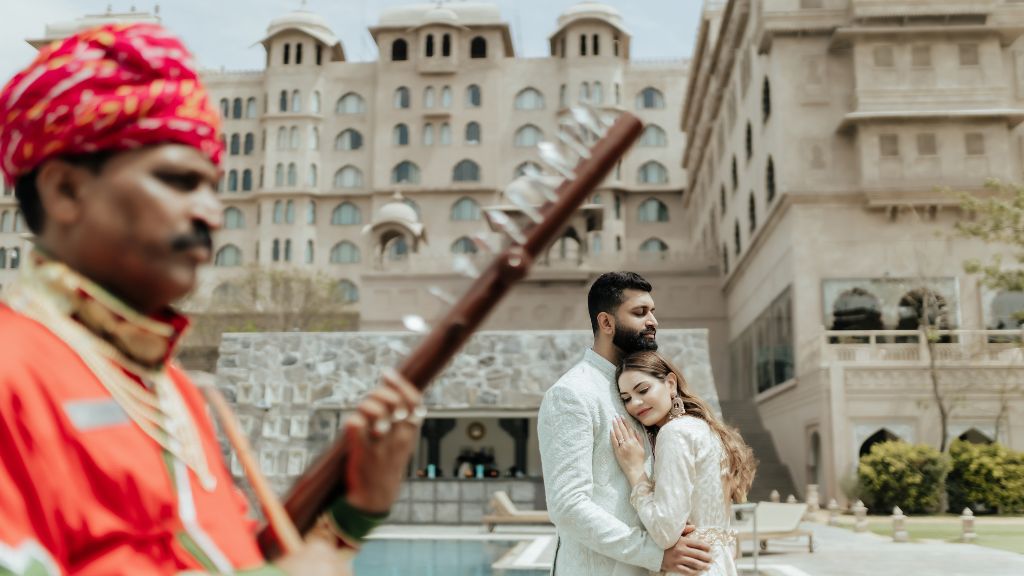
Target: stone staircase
x,y
772,474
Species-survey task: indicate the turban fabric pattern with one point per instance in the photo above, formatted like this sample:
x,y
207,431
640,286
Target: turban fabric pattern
x,y
112,88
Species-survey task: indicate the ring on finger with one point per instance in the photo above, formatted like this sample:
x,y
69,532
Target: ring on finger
x,y
400,415
382,426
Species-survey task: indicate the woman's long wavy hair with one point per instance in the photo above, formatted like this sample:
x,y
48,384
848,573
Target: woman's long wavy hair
x,y
740,457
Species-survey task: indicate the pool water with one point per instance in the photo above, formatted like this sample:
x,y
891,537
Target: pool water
x,y
435,558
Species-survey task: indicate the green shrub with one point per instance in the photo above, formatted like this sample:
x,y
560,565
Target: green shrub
x,y
899,474
985,478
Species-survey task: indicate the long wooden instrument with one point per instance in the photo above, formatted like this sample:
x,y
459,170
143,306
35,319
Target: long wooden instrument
x,y
588,152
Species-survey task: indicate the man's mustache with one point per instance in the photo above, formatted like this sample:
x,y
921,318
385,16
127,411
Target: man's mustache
x,y
200,236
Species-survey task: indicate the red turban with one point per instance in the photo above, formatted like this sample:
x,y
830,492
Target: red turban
x,y
115,87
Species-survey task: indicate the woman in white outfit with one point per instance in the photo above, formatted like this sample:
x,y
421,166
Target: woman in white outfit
x,y
701,465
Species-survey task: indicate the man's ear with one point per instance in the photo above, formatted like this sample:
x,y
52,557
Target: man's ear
x,y
606,323
60,187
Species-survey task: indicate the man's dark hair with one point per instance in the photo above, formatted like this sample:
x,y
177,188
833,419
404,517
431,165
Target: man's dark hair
x,y
606,292
27,193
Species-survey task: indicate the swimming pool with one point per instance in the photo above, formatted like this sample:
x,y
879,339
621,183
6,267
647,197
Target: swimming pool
x,y
435,558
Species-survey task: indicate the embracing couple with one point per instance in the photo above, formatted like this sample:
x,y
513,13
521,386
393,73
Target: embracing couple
x,y
639,472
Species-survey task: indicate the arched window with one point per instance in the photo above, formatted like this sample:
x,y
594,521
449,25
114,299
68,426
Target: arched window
x,y
429,49
652,210
233,219
752,212
428,97
397,248
296,101
653,135
526,169
1007,310
236,108
250,143
736,235
473,97
293,138
351,103
347,292
315,103
750,142
314,138
920,306
405,173
293,174
465,209
857,309
529,99
232,180
3,258
298,52
654,245
473,133
400,135
229,255
282,105
236,145
278,212
345,252
446,97
250,108
563,98
401,97
583,44
721,200
246,180
19,223
446,45
464,246
309,251
466,171
766,100
311,176
528,136
446,134
346,214
15,258
478,47
279,175
597,92
428,134
735,175
652,173
650,98
882,435
399,50
225,108
282,138
769,177
584,92
348,139
275,252
348,177
311,212
5,222
289,212
725,258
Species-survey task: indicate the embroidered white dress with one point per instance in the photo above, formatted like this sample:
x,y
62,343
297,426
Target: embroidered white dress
x,y
688,487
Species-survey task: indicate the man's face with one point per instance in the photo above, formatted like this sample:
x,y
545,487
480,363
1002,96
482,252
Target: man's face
x,y
143,223
635,324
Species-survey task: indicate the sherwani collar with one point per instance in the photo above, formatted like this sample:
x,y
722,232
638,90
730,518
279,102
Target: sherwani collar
x,y
600,363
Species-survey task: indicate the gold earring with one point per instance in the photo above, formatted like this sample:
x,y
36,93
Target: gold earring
x,y
678,408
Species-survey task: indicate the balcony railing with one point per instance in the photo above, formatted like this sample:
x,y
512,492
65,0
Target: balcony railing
x,y
991,347
890,8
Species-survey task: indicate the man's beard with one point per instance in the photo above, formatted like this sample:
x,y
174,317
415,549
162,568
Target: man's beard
x,y
630,341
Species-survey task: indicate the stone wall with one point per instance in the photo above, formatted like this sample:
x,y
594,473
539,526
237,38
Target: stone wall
x,y
291,389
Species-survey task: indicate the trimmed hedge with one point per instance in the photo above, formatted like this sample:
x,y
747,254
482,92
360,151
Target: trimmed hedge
x,y
911,476
985,478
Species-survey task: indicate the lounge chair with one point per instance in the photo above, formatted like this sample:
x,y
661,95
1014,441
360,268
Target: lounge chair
x,y
505,512
775,520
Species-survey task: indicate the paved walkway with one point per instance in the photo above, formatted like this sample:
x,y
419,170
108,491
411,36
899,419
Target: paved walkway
x,y
837,552
841,552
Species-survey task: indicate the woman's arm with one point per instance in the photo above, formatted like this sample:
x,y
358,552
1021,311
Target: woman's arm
x,y
664,507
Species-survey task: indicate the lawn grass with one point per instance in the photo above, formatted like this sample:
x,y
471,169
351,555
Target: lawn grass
x,y
1003,533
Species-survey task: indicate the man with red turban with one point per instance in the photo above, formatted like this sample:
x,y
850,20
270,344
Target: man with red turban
x,y
109,463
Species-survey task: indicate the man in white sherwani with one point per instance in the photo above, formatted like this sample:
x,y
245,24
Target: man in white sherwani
x,y
599,533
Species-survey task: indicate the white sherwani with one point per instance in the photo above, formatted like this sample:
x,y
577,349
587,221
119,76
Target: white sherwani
x,y
599,532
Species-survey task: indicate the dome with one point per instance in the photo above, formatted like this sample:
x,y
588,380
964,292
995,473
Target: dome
x,y
591,10
398,211
299,19
462,13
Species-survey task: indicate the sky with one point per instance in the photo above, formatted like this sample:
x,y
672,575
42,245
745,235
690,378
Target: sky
x,y
224,33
